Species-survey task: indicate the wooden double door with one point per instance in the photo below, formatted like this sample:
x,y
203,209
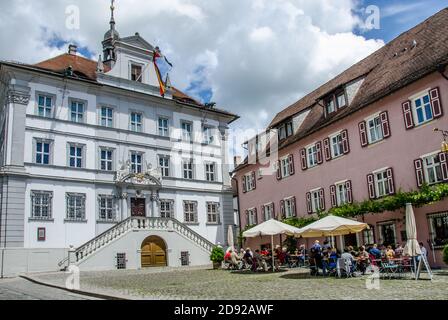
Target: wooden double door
x,y
153,252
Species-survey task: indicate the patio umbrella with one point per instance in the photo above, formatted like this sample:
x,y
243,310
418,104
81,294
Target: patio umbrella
x,y
332,226
412,247
230,240
271,228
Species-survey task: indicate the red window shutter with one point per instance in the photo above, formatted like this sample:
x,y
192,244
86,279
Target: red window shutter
x,y
444,165
244,184
279,170
436,104
363,134
390,180
333,198
407,114
254,180
320,158
345,143
384,116
309,206
294,208
348,186
282,209
327,149
371,185
418,165
322,199
263,212
303,159
291,164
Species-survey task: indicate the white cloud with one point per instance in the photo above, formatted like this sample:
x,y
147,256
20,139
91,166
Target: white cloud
x,y
257,57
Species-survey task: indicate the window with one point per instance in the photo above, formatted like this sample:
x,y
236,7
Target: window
x,y
76,207
285,130
166,208
387,233
368,235
312,156
190,211
207,135
212,212
186,131
249,181
252,217
136,73
438,224
381,184
422,109
106,159
286,167
76,156
341,194
289,208
77,111
340,98
107,117
315,203
433,169
337,147
136,162
136,122
42,155
268,211
163,127
330,106
164,165
210,172
106,206
188,169
375,129
41,205
44,106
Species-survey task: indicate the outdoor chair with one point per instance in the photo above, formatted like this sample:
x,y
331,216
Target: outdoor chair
x,y
332,266
343,267
390,269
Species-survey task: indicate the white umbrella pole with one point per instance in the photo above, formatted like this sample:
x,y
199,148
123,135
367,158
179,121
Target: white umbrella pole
x,y
272,252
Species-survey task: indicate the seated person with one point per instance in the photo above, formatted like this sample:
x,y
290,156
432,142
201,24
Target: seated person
x,y
374,251
248,257
390,253
234,260
227,257
348,258
363,259
259,260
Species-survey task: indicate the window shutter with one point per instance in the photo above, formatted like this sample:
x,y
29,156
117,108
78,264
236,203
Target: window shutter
x,y
444,165
333,196
291,164
407,114
363,134
256,215
320,158
247,217
348,186
371,185
282,209
294,210
309,206
244,184
384,116
436,105
322,199
273,210
327,149
254,180
390,180
303,159
345,143
418,165
279,170
263,212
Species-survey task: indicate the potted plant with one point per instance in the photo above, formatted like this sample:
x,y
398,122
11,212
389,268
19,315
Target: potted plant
x,y
217,257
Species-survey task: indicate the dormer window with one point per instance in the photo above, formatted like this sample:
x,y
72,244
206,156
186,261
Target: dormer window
x,y
330,105
136,73
342,101
335,101
285,130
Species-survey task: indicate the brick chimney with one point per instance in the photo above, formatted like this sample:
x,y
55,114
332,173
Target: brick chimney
x,y
72,49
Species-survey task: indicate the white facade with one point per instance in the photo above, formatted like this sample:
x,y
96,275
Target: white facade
x,y
26,128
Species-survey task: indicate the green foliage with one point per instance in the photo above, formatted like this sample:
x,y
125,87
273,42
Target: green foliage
x,y
217,254
291,244
445,254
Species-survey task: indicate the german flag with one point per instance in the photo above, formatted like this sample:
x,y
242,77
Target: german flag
x,y
157,56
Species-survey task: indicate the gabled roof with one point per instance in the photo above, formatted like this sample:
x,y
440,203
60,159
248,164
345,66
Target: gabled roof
x,y
389,68
137,41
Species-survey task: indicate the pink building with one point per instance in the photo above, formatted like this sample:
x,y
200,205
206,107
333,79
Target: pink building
x,y
367,133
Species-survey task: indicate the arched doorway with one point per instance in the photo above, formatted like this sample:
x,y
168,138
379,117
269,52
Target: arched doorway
x,y
153,252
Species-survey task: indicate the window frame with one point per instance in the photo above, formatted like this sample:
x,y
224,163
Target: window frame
x,y
383,181
53,98
162,129
135,126
164,212
69,156
106,118
76,207
378,125
135,166
83,114
36,141
340,144
188,173
216,214
107,161
252,217
269,212
49,205
314,154
133,64
210,175
289,207
285,166
413,100
250,183
315,201
189,136
106,208
339,201
188,214
165,168
432,232
434,167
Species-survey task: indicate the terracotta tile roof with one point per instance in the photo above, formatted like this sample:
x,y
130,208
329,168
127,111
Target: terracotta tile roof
x,y
384,71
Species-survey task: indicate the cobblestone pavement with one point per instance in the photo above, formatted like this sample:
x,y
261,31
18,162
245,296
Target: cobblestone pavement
x,y
219,284
21,289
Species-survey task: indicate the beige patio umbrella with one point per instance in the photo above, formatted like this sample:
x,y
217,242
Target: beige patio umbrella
x,y
271,228
230,241
331,226
412,247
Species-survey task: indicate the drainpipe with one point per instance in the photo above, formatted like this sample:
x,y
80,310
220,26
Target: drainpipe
x,y
239,212
6,223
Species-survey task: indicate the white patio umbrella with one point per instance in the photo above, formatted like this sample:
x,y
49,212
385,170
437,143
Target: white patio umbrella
x,y
230,240
331,226
271,228
412,247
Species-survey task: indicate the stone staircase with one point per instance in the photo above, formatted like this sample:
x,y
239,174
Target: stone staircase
x,y
130,225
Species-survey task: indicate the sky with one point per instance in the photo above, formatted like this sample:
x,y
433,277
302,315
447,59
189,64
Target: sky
x,y
251,57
